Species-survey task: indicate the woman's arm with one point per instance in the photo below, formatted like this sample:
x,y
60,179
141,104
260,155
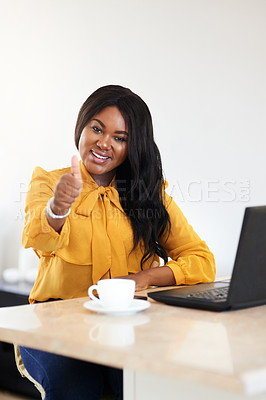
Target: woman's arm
x,y
40,230
66,191
190,261
156,276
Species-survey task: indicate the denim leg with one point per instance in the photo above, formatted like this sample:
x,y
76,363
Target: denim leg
x,y
63,377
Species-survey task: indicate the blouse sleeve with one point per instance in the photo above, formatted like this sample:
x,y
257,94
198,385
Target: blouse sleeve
x,y
191,260
37,232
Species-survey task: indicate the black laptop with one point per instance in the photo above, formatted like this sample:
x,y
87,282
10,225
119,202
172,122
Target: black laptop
x,y
247,287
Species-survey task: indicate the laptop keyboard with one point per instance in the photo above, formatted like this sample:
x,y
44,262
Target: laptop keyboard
x,y
218,294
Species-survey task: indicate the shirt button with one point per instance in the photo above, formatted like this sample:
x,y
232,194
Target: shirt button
x,y
45,228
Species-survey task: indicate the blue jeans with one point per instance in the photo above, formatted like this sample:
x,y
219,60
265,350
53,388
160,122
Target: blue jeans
x,y
71,379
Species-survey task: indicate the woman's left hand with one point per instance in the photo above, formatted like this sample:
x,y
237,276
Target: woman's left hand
x,y
155,276
141,278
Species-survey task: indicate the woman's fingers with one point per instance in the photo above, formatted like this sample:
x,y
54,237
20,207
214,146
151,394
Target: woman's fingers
x,y
69,186
75,168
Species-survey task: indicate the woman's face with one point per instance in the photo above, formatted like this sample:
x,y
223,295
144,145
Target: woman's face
x,y
103,144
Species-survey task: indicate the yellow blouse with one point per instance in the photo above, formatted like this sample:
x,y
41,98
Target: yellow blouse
x,y
96,240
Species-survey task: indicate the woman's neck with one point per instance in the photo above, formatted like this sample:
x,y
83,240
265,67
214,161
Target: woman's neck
x,y
104,179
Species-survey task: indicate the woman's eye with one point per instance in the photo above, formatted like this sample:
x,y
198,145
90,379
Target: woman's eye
x,y
97,129
120,139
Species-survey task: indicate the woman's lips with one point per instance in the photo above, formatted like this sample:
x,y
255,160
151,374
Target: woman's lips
x,y
99,157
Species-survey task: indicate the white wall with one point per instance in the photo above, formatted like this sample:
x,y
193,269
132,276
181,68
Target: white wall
x,y
199,64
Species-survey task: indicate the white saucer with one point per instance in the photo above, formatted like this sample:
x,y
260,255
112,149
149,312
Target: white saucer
x,y
135,306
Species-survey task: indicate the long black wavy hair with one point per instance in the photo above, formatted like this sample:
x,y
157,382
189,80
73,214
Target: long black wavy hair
x,y
139,179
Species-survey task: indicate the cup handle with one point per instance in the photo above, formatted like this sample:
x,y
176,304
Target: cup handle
x,y
94,298
93,333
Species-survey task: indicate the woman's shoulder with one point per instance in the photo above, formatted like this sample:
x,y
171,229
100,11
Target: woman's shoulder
x,y
167,199
41,174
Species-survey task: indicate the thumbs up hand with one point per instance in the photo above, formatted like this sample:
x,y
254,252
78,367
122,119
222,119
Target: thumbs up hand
x,y
67,189
75,170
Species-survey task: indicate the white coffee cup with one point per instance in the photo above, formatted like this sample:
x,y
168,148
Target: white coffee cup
x,y
113,293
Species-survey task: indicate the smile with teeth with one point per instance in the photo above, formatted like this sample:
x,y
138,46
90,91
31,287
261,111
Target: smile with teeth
x,y
98,156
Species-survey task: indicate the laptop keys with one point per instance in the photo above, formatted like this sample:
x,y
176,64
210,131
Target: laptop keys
x,y
211,294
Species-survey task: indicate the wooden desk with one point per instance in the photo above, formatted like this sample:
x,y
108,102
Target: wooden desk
x,y
166,352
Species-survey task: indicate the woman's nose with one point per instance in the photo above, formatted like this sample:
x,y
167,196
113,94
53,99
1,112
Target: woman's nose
x,y
104,143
